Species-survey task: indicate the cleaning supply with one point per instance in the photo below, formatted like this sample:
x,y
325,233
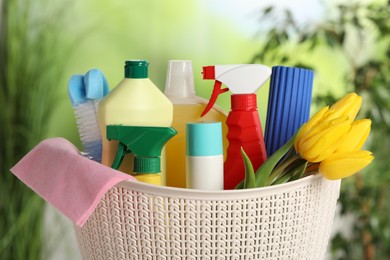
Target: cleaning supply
x,y
85,92
146,143
96,86
70,182
204,156
187,107
244,127
289,104
135,101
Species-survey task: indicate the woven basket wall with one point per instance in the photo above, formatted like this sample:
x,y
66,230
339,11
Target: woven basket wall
x,y
140,221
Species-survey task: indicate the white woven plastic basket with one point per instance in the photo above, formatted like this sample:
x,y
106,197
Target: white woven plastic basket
x,y
140,221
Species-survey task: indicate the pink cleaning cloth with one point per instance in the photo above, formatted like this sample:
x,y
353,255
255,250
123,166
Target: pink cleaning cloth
x,y
73,184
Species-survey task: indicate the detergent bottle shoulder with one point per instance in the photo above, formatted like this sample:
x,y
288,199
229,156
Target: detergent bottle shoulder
x,y
187,107
135,101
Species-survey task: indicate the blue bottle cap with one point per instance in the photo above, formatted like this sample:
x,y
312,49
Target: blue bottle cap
x,y
204,139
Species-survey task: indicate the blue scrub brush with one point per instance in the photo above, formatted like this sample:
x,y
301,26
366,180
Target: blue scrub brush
x,y
85,92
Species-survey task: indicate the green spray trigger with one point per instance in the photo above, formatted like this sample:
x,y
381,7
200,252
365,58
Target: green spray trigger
x,y
145,142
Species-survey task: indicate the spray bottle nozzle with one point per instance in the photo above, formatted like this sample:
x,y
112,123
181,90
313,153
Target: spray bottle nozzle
x,y
239,79
144,142
208,72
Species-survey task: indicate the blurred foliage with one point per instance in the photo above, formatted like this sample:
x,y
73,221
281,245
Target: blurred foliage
x,y
29,48
151,30
360,34
33,78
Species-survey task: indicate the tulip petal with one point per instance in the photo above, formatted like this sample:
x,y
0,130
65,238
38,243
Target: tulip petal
x,y
342,165
348,105
326,124
317,117
356,137
308,126
320,146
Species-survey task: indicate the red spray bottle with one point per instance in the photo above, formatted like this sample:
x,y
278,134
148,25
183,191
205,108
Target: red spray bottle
x,y
244,126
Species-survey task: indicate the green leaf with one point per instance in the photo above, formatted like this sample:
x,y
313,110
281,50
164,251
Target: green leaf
x,y
266,168
263,173
282,180
299,171
294,172
240,186
267,10
249,181
283,167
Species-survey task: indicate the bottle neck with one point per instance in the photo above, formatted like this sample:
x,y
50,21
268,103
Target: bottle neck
x,y
245,102
147,165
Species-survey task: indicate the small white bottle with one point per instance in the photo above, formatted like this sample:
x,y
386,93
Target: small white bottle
x,y
204,167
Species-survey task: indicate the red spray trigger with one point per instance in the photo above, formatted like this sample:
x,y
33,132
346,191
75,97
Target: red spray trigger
x,y
216,91
208,72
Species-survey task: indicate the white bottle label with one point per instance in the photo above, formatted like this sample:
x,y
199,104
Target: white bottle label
x,y
205,172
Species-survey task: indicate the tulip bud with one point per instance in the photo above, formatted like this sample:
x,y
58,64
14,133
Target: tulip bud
x,y
320,143
348,105
356,137
344,164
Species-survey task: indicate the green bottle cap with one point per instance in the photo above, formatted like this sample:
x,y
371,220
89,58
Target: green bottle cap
x,y
147,165
136,69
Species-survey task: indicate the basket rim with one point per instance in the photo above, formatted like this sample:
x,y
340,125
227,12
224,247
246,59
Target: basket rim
x,y
183,193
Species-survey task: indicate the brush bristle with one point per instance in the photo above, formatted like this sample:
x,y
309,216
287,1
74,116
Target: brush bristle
x,y
87,124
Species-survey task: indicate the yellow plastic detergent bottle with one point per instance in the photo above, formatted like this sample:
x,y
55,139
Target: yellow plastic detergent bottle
x,y
135,101
187,107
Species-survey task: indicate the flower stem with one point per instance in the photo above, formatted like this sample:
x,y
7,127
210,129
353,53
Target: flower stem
x,y
281,168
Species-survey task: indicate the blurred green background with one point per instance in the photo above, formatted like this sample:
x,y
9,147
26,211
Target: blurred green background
x,y
43,43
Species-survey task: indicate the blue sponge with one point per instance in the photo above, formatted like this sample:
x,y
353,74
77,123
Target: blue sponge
x,y
76,89
96,86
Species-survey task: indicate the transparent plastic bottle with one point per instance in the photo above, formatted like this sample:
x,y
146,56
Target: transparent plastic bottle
x,y
187,107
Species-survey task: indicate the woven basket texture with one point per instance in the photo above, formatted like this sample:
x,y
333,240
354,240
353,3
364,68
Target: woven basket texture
x,y
141,221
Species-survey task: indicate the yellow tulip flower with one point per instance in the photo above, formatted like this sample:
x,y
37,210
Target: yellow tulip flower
x,y
330,142
323,133
344,164
348,105
356,137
